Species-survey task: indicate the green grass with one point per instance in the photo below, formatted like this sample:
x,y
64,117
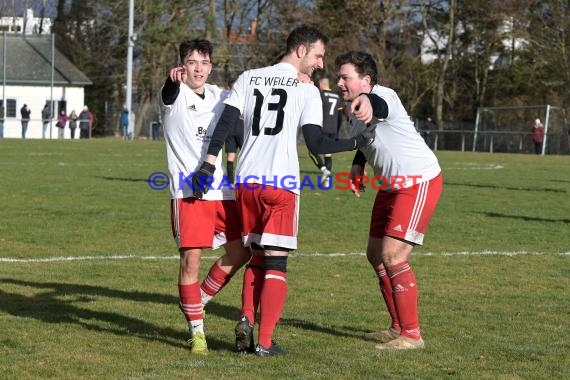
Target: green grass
x,y
483,316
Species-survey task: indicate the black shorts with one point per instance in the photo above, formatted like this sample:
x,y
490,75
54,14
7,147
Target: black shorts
x,y
233,143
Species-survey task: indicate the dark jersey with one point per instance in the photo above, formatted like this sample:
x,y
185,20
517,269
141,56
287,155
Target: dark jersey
x,y
331,112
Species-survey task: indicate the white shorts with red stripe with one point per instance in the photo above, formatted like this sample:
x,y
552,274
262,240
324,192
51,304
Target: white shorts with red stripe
x,y
405,214
269,216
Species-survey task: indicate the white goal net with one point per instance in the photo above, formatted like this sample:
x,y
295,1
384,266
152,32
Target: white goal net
x,y
510,130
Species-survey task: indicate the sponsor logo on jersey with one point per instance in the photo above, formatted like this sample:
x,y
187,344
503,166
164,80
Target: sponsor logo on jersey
x,y
398,228
192,107
201,134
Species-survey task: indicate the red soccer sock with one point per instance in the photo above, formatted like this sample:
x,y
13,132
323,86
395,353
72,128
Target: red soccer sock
x,y
386,289
191,301
405,291
272,302
215,281
252,286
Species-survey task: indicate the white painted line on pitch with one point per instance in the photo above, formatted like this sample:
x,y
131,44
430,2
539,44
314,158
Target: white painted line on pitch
x,y
130,257
474,166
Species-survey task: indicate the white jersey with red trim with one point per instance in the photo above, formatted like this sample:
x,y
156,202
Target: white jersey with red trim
x,y
188,127
398,149
274,105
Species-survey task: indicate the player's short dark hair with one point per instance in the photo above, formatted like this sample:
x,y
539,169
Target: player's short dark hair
x,y
202,46
363,63
304,35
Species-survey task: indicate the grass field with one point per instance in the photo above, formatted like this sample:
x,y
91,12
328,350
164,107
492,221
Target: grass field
x,y
88,274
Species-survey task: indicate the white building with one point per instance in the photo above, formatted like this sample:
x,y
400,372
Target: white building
x,y
28,79
28,24
432,48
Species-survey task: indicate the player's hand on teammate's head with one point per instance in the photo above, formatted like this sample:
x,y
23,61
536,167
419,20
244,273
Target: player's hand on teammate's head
x,y
202,179
361,108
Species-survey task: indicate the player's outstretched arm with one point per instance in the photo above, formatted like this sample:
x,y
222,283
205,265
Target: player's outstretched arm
x,y
171,87
319,143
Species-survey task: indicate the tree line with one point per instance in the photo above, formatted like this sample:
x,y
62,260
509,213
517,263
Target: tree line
x,y
481,52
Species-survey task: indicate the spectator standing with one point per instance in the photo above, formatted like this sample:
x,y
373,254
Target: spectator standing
x,y
426,130
25,113
72,123
2,120
85,123
156,129
61,121
46,116
124,120
538,136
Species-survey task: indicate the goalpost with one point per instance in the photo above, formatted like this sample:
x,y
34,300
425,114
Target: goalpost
x,y
509,129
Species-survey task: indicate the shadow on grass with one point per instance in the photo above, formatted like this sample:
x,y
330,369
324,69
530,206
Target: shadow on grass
x,y
540,189
331,330
525,218
63,304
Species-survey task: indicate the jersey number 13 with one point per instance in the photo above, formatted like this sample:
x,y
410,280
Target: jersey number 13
x,y
278,107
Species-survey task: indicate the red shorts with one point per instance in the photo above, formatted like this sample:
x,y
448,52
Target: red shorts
x,y
405,213
204,224
269,216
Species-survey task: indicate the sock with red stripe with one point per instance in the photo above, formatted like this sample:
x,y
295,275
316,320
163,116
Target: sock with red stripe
x,y
405,292
213,283
386,289
273,297
252,285
191,306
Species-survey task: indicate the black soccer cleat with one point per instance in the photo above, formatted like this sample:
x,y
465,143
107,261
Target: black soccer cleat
x,y
271,351
244,336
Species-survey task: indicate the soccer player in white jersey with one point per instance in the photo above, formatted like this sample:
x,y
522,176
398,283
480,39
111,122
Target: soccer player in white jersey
x,y
406,199
191,108
274,105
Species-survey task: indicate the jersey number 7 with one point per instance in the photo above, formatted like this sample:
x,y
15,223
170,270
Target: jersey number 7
x,y
271,107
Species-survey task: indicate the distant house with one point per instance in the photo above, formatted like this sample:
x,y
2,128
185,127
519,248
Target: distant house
x,y
26,78
434,47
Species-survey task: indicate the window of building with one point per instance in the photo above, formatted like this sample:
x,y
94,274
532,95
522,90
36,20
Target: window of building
x,y
10,107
